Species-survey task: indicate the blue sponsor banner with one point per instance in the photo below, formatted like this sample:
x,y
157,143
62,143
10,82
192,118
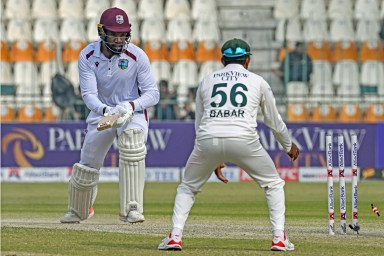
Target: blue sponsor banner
x,y
170,143
380,145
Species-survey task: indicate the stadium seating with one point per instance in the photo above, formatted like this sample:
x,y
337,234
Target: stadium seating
x,y
344,50
367,9
203,9
153,30
286,9
374,113
94,8
177,9
313,9
371,76
19,30
341,29
367,30
181,50
321,80
71,9
29,113
206,30
161,70
346,79
298,113
319,51
5,68
315,30
7,113
324,113
182,39
51,114
350,113
91,33
20,9
289,30
371,50
208,51
340,9
208,67
44,9
156,50
178,29
150,9
72,29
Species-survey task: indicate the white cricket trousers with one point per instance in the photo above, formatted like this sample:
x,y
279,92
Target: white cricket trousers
x,y
248,155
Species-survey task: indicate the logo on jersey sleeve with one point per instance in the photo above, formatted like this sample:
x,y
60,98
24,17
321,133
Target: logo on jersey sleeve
x,y
123,64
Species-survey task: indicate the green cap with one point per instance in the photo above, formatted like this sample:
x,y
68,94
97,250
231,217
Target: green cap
x,y
236,49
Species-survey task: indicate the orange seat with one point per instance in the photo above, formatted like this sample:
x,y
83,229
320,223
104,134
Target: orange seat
x,y
282,53
375,113
156,50
350,113
46,51
4,52
372,51
208,51
72,50
319,51
297,113
181,50
21,51
324,113
344,51
29,113
7,114
51,114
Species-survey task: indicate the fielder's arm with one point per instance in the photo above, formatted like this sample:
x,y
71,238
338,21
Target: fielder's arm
x,y
219,174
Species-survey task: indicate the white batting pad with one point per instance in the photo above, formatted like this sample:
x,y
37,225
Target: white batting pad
x,y
81,189
132,152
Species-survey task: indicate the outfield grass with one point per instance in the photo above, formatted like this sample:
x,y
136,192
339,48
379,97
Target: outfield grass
x,y
227,219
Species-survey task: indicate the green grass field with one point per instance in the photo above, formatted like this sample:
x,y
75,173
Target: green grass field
x,y
227,219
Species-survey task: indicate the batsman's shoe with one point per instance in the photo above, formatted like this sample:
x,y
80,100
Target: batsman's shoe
x,y
71,217
171,243
133,217
282,244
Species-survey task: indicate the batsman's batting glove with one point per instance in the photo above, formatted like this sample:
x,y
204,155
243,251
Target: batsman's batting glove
x,y
124,111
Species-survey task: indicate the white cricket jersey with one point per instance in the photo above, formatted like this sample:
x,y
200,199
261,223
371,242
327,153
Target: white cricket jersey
x,y
227,102
123,78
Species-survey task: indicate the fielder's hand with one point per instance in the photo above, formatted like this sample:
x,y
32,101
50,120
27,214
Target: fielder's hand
x,y
294,152
219,174
125,113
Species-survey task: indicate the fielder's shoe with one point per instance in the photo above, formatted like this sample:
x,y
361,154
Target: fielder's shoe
x,y
280,244
170,243
71,217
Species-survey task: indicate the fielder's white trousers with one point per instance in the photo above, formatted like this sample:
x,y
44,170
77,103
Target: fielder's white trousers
x,y
248,155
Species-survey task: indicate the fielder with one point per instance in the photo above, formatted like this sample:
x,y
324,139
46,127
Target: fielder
x,y
115,79
227,103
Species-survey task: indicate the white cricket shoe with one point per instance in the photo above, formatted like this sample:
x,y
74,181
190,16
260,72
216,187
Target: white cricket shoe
x,y
280,244
133,217
171,243
71,217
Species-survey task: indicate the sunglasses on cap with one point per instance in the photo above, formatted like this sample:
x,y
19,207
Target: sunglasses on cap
x,y
238,52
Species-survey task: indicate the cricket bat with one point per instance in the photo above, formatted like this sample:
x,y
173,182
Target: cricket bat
x,y
107,122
